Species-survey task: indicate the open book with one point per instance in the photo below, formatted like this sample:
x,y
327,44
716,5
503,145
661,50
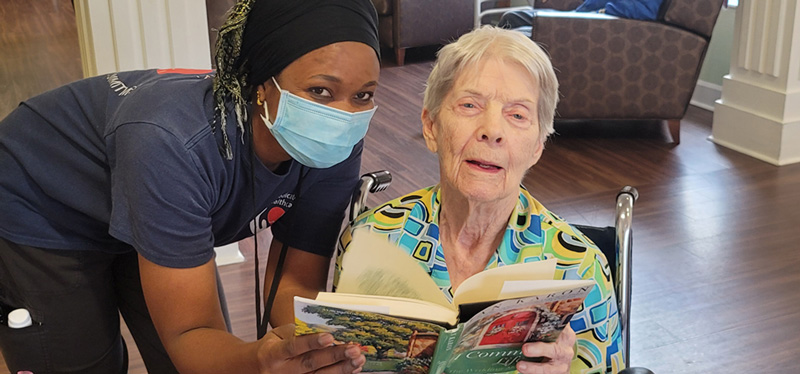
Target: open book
x,y
388,304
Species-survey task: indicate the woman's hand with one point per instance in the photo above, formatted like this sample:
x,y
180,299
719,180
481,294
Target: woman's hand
x,y
557,355
282,352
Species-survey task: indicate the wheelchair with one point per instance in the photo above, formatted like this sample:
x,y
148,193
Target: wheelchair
x,y
614,241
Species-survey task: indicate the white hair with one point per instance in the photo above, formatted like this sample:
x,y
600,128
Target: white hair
x,y
509,46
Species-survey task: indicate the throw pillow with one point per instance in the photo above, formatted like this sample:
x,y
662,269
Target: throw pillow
x,y
635,9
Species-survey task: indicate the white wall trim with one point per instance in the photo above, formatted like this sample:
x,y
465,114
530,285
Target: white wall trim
x,y
757,136
777,105
116,35
753,154
705,95
744,150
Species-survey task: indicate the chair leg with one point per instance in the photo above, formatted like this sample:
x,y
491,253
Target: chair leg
x,y
675,130
399,55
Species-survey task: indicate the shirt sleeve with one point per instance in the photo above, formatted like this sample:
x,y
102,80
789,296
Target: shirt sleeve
x,y
161,200
315,220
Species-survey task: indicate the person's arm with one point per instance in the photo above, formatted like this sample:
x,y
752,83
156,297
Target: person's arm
x,y
304,274
186,312
310,228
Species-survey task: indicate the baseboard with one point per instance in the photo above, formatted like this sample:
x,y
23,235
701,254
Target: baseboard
x,y
756,135
705,94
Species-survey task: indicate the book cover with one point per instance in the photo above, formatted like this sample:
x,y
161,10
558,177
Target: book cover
x,y
489,342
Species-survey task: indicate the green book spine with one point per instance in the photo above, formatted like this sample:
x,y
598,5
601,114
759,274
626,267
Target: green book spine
x,y
444,349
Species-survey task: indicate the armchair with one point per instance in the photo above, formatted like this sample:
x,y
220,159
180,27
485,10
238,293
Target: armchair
x,y
612,68
406,24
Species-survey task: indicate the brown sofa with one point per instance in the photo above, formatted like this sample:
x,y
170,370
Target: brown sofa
x,y
613,68
416,23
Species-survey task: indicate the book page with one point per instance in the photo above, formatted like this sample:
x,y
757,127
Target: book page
x,y
393,306
488,284
373,266
301,302
516,289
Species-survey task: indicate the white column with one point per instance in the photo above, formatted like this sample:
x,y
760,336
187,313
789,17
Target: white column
x,y
759,112
117,35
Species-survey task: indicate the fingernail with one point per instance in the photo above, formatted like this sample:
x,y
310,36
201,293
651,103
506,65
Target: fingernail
x,y
325,340
523,366
352,352
359,361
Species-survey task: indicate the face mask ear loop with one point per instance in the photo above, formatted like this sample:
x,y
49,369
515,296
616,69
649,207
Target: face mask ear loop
x,y
265,116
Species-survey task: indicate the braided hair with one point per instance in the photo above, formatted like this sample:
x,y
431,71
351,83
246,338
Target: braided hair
x,y
229,80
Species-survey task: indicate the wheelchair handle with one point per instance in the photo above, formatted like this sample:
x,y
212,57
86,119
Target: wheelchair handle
x,y
632,191
373,182
376,181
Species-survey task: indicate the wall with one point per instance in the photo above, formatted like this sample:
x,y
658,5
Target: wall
x,y
718,58
717,62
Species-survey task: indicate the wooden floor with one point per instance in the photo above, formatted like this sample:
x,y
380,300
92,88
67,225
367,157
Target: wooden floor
x,y
717,233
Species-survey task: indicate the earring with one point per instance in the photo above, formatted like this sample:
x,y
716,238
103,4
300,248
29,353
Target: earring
x,y
258,100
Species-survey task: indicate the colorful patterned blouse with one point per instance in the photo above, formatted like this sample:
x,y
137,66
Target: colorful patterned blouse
x,y
533,233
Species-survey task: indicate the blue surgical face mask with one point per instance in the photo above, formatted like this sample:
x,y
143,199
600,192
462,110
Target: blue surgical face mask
x,y
315,135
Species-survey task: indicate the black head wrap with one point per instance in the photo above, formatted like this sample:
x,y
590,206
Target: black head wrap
x,y
261,37
279,32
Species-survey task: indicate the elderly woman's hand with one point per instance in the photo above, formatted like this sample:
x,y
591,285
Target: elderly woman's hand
x,y
558,355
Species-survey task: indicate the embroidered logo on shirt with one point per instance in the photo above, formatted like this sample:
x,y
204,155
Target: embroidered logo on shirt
x,y
274,214
118,86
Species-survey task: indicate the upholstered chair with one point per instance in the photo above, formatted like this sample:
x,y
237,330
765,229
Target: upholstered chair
x,y
612,68
415,23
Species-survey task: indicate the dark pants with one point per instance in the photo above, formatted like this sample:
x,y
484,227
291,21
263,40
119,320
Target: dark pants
x,y
75,298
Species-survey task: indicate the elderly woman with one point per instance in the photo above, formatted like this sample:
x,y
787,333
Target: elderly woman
x,y
487,112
